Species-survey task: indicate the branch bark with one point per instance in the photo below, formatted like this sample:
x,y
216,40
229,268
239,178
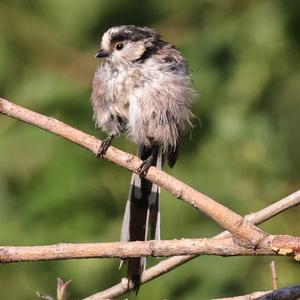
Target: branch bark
x,y
225,217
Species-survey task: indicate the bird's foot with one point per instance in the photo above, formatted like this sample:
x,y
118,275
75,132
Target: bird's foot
x,y
104,146
145,165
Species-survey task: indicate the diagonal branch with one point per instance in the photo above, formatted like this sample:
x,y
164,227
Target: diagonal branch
x,y
225,217
171,263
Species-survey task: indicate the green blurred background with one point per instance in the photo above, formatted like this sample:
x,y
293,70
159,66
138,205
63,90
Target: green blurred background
x,y
244,56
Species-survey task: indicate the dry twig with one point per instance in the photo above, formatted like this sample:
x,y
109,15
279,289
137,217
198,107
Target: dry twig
x,y
274,275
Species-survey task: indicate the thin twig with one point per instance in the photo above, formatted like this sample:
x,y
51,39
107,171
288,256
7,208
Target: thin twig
x,y
171,263
274,275
225,217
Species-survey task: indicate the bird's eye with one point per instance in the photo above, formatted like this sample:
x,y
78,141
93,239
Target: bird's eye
x,y
119,46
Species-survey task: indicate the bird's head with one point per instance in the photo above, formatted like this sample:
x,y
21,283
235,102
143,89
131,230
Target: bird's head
x,y
124,44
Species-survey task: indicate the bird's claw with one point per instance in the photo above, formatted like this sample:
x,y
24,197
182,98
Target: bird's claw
x,y
103,147
144,167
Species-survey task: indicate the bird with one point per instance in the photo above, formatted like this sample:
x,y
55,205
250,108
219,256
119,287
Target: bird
x,y
142,89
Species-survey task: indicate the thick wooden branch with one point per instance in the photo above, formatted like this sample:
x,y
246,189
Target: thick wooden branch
x,y
277,245
287,293
171,263
225,217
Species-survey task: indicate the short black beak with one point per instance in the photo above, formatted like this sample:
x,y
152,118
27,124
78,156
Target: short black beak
x,y
102,53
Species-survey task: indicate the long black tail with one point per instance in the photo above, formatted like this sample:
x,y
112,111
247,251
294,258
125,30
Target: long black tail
x,y
142,210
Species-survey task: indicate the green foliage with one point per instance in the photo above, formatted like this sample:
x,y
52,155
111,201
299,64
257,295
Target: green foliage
x,y
244,152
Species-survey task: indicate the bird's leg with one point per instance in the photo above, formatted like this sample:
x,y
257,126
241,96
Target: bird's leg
x,y
147,163
105,145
